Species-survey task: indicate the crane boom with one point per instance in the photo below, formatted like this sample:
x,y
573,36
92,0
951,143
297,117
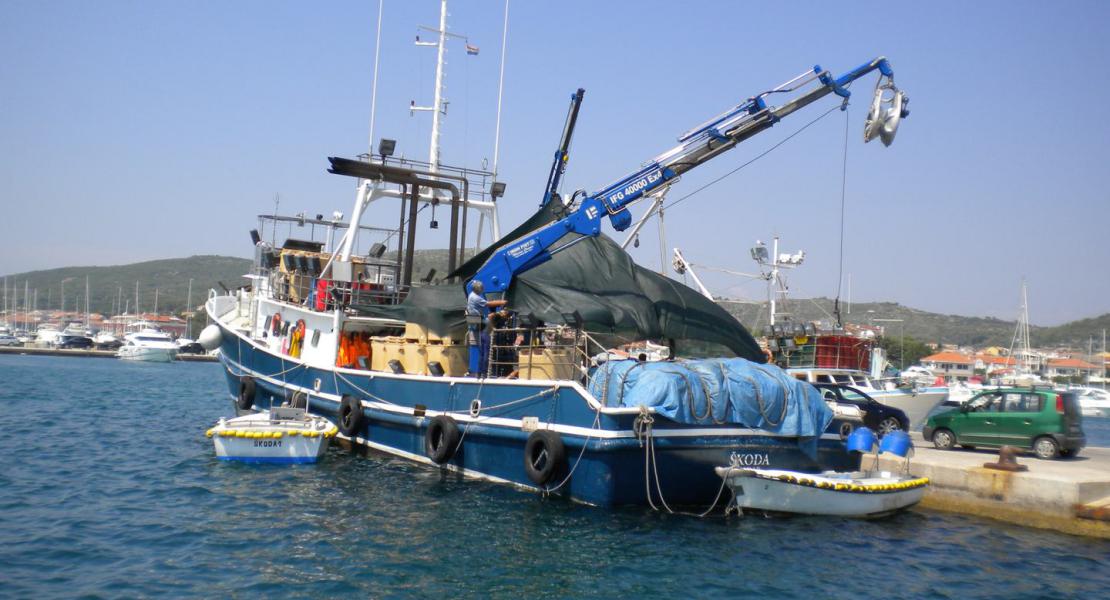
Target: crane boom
x,y
559,165
695,148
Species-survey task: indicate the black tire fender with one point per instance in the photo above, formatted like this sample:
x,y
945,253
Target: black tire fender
x,y
544,456
246,393
441,439
351,417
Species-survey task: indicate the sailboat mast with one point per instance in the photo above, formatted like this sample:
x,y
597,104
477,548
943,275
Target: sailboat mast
x,y
189,308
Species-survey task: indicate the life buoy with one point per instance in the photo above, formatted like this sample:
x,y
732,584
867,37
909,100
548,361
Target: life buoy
x,y
544,455
441,439
351,417
246,393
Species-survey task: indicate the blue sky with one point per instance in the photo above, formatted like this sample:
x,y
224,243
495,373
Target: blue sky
x,y
140,130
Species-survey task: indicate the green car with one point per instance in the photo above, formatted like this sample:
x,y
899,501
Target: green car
x,y
1042,420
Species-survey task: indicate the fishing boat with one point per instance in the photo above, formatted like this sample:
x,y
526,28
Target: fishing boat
x,y
328,317
864,494
281,435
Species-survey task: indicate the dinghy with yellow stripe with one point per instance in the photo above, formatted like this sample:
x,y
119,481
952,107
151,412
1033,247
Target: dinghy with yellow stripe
x,y
279,435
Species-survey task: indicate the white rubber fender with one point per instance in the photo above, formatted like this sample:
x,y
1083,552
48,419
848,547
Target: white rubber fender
x,y
210,338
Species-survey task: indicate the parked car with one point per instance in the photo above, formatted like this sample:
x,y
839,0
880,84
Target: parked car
x,y
191,348
112,345
879,417
75,342
9,340
1039,419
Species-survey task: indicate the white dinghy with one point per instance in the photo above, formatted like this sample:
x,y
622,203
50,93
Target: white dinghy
x,y
865,494
280,435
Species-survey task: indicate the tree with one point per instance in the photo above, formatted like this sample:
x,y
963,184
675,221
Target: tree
x,y
894,346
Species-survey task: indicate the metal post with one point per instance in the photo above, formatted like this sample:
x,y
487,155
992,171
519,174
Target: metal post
x,y
411,242
453,251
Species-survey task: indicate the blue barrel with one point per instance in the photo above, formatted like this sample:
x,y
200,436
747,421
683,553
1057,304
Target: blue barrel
x,y
861,440
896,442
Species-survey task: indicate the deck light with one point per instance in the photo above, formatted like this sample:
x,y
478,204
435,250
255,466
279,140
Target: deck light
x,y
497,190
574,319
386,147
526,321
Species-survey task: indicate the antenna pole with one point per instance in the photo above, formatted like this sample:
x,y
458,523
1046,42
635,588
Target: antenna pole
x,y
437,103
374,86
500,90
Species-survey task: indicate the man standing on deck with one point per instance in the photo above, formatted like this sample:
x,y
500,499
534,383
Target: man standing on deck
x,y
477,337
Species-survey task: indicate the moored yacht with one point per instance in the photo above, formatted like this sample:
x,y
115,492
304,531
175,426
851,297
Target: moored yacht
x,y
48,335
150,345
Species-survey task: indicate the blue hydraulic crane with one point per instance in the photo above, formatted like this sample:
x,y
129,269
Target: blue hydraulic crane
x,y
559,165
695,147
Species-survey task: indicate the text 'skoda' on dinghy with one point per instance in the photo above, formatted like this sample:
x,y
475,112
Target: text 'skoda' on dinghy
x,y
279,435
850,494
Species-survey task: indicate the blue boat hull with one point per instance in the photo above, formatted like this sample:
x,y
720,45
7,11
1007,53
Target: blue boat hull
x,y
610,458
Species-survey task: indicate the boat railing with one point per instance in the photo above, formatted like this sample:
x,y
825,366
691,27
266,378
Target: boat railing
x,y
544,352
478,181
325,295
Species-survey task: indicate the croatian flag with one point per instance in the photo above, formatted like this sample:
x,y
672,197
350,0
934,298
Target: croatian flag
x,y
472,50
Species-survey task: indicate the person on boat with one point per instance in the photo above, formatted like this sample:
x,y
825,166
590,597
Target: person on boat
x,y
505,341
477,335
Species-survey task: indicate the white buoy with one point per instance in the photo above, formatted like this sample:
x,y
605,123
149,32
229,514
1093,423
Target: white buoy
x,y
210,338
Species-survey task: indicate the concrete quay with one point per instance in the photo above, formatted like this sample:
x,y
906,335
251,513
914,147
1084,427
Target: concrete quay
x,y
1070,495
90,353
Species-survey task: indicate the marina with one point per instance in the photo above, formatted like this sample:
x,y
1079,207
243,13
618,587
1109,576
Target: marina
x,y
192,515
386,361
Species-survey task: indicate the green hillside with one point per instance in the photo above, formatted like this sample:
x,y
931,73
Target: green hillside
x,y
927,326
170,277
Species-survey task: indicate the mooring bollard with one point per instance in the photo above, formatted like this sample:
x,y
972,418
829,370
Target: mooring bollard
x,y
1007,460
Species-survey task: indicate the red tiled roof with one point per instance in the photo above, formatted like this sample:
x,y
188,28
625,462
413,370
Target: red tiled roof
x,y
948,357
990,359
1071,363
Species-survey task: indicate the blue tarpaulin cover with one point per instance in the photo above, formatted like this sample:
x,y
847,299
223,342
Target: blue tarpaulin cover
x,y
717,391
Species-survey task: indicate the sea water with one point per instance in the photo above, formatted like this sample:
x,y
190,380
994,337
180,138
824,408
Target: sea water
x,y
109,488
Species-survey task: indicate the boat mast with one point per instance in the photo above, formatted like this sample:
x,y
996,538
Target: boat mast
x,y
776,285
500,93
189,308
373,87
437,103
1020,341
